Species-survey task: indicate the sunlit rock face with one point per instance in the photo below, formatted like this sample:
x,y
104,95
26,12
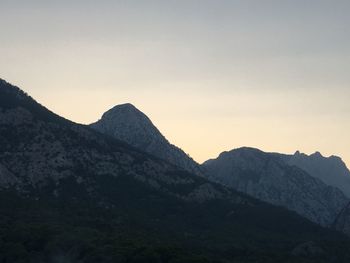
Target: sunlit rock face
x,y
331,170
269,178
126,123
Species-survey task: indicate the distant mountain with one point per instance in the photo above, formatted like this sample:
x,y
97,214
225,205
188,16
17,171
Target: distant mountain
x,y
331,170
268,177
71,194
126,123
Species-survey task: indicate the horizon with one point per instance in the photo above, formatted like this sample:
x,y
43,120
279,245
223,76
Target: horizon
x,y
210,157
211,76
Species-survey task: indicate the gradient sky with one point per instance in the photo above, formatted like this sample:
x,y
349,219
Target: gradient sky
x,y
212,75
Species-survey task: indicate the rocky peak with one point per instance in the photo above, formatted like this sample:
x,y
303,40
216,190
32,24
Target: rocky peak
x,y
316,154
126,108
126,123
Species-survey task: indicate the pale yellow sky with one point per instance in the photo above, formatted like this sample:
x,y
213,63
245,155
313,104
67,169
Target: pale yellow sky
x,y
212,75
206,124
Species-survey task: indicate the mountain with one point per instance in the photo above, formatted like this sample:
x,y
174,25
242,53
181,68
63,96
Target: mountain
x,y
71,194
40,148
332,170
266,176
126,123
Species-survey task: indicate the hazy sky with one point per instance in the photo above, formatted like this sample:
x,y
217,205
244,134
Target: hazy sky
x,y
212,75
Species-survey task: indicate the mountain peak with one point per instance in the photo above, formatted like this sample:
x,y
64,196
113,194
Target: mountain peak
x,y
317,154
127,123
245,149
125,108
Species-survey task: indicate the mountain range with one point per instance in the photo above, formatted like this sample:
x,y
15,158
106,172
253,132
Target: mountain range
x,y
268,177
120,192
313,186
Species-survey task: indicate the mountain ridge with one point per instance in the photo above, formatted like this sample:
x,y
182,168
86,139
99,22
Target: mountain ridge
x,y
268,177
331,170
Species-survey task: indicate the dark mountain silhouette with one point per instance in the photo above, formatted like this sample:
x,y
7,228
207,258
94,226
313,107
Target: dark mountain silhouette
x,y
71,194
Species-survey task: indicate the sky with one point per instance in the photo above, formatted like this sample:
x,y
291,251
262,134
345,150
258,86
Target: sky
x,y
212,75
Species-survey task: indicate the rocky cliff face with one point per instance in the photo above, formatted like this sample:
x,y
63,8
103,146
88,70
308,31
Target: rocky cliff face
x,y
126,123
332,170
268,178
